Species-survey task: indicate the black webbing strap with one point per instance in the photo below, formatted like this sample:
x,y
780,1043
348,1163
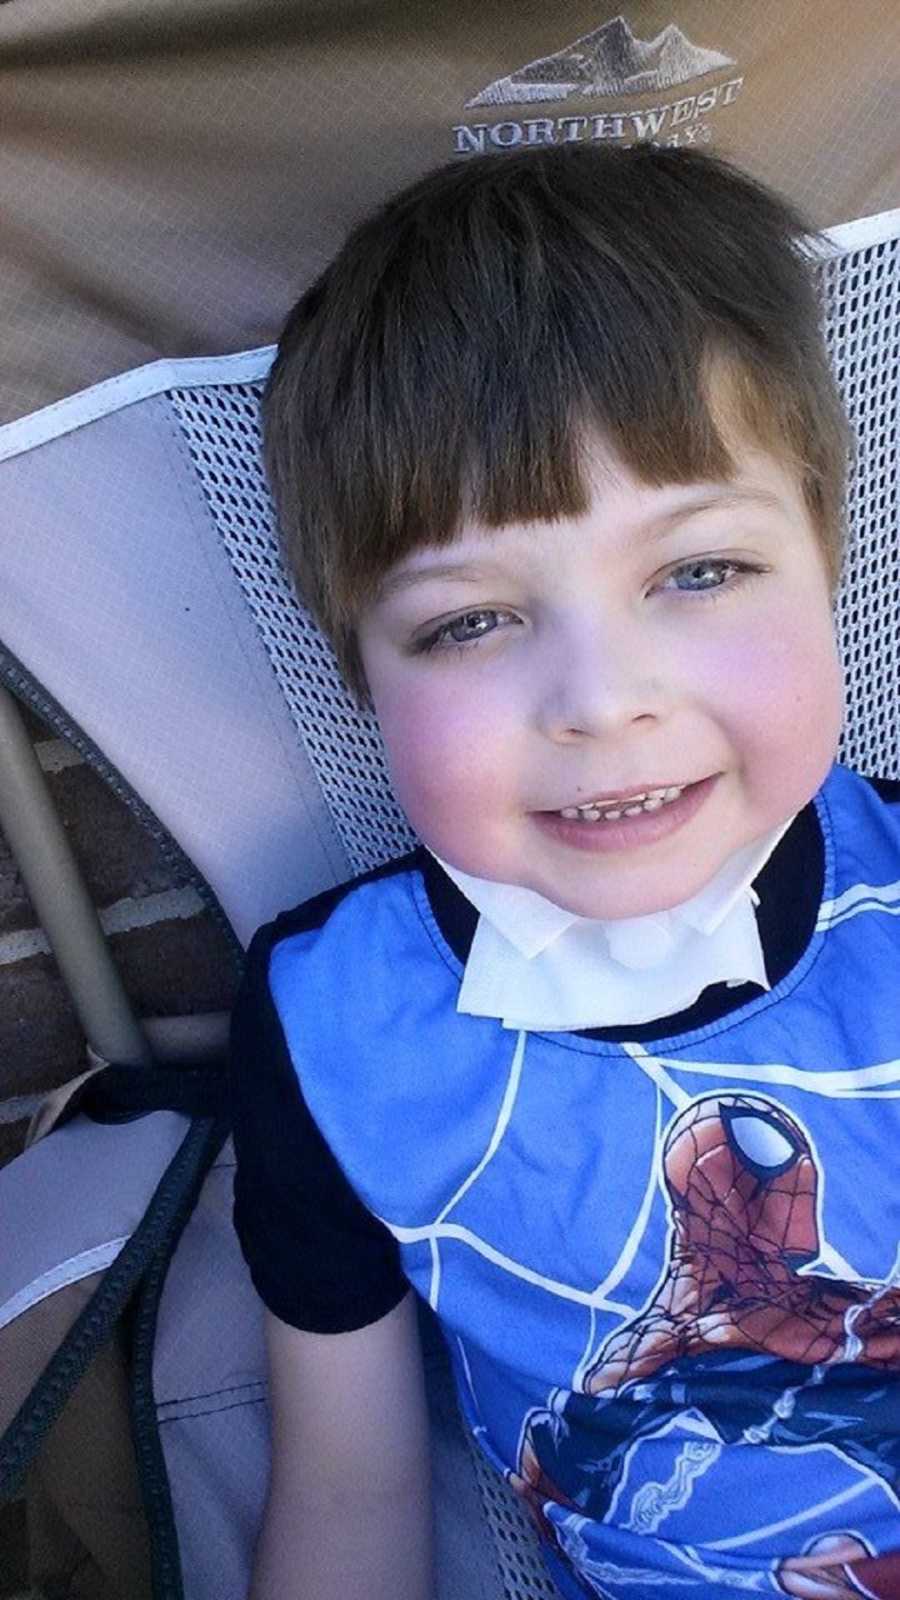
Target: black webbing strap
x,y
120,1094
165,1559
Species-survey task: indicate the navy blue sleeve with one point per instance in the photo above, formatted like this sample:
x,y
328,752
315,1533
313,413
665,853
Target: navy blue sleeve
x,y
318,1259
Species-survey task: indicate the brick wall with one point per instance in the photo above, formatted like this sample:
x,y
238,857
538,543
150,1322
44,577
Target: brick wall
x,y
172,957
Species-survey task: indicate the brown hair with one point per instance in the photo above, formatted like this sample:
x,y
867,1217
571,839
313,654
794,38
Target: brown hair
x,y
474,334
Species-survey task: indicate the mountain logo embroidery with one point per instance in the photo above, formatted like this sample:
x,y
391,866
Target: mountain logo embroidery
x,y
609,61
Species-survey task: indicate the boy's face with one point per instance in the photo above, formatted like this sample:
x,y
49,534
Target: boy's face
x,y
612,652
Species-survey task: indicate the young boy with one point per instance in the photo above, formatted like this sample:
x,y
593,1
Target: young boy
x,y
606,1069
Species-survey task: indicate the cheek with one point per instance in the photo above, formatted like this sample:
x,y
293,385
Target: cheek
x,y
442,751
781,686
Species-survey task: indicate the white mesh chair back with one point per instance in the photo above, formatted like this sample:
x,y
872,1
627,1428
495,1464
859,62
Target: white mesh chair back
x,y
146,614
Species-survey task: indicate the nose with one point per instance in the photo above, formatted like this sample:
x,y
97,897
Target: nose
x,y
598,679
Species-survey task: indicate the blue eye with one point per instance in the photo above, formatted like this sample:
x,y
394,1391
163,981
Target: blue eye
x,y
468,619
740,569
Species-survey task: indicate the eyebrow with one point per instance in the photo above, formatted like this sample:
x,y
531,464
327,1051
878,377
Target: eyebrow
x,y
655,527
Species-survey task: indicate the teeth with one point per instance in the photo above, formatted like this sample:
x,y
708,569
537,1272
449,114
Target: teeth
x,y
635,805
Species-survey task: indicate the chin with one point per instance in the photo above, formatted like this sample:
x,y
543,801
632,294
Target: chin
x,y
628,902
620,911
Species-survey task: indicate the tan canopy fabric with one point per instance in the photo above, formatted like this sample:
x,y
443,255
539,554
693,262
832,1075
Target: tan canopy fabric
x,y
173,174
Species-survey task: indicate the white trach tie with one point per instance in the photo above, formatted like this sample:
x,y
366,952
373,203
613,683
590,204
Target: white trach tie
x,y
535,965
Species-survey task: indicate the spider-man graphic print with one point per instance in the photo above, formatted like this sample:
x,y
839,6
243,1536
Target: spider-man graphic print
x,y
741,1340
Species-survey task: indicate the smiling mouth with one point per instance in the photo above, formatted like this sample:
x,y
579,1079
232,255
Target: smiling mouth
x,y
649,799
623,826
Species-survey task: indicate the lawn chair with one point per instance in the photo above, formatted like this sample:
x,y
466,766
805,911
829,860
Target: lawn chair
x,y
146,616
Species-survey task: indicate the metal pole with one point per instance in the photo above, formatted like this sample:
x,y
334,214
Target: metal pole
x,y
54,882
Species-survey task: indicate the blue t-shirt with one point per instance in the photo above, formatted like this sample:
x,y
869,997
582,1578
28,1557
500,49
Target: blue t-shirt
x,y
665,1258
